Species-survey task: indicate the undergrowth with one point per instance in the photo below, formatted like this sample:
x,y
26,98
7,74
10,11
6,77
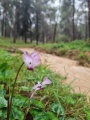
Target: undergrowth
x,y
56,100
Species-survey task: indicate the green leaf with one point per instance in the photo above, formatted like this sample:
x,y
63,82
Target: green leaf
x,y
37,104
3,102
6,74
45,116
20,101
58,109
0,113
3,67
3,114
61,118
52,116
34,112
16,114
2,92
41,116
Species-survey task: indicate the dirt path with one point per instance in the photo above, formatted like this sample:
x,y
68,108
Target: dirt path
x,y
69,68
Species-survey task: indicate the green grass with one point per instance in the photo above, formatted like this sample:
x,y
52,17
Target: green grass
x,y
75,50
8,42
74,45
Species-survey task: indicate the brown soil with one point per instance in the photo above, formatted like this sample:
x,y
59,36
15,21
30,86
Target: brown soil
x,y
78,75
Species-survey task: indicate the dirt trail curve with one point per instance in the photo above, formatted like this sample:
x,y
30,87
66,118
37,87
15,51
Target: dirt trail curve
x,y
64,66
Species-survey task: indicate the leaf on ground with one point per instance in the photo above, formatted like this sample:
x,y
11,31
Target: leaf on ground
x,y
20,101
16,114
37,104
3,102
58,109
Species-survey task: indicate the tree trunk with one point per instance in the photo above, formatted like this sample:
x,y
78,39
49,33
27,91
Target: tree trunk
x,y
31,40
43,35
86,23
14,32
15,26
37,30
54,35
25,38
73,21
5,28
14,35
89,17
2,27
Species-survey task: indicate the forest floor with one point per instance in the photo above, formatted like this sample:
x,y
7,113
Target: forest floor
x,y
77,76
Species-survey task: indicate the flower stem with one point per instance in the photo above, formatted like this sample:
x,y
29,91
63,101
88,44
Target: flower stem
x,y
13,89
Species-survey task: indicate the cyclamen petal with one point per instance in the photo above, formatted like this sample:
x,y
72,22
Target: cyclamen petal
x,y
37,85
28,60
36,59
31,60
40,86
46,81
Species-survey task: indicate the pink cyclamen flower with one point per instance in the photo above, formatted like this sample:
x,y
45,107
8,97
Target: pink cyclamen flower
x,y
40,86
31,60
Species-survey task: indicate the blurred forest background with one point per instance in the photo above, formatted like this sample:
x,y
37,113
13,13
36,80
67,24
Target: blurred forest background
x,y
45,20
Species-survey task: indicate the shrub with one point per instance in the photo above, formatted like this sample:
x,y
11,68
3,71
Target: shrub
x,y
62,38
